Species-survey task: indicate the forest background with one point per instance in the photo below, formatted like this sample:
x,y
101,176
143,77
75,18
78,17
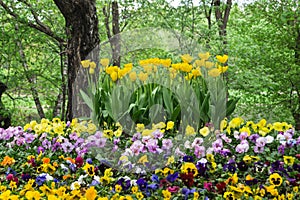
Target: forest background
x,y
262,39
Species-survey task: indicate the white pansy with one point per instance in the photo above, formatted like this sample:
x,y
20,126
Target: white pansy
x,y
269,139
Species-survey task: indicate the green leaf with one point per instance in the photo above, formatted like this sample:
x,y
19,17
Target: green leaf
x,y
87,100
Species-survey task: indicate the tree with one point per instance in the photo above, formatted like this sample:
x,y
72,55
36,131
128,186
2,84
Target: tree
x,y
81,31
265,44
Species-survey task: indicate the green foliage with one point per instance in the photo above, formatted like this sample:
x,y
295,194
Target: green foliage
x,y
261,43
160,98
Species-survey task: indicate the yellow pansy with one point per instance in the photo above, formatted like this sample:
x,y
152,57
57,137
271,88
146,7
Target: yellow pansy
x,y
229,196
143,159
108,133
166,194
139,195
170,125
134,189
190,130
89,169
204,131
275,179
118,132
189,167
171,160
288,160
127,197
210,157
118,188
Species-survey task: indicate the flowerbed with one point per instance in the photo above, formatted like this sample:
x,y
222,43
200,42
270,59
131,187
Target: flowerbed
x,y
58,160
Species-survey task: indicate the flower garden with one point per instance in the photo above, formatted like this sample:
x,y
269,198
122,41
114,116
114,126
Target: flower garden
x,y
106,159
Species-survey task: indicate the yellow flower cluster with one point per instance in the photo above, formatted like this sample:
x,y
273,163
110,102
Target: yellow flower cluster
x,y
155,62
52,193
236,192
261,127
56,126
116,72
107,178
89,64
189,66
159,126
190,131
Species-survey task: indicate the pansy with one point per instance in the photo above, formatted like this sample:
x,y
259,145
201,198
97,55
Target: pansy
x,y
186,192
142,183
275,179
89,169
187,179
172,177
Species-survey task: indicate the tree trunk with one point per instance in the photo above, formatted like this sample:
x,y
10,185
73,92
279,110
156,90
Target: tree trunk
x,y
82,32
4,115
30,79
222,21
114,36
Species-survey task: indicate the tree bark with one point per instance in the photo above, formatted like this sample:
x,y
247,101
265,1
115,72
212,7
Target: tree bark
x,y
114,35
222,20
82,33
5,117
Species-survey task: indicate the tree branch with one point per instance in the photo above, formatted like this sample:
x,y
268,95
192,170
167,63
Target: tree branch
x,y
39,26
226,13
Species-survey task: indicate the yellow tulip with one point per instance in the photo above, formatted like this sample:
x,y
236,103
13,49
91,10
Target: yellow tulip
x,y
214,72
222,59
204,56
186,58
104,62
85,63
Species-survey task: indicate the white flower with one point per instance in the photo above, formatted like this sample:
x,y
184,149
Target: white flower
x,y
280,137
210,150
75,185
97,178
126,178
269,139
64,167
187,145
128,153
81,177
236,134
48,177
197,141
202,161
140,171
133,183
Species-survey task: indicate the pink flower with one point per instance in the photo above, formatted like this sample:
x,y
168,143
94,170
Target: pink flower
x,y
173,189
10,177
208,186
167,144
199,151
